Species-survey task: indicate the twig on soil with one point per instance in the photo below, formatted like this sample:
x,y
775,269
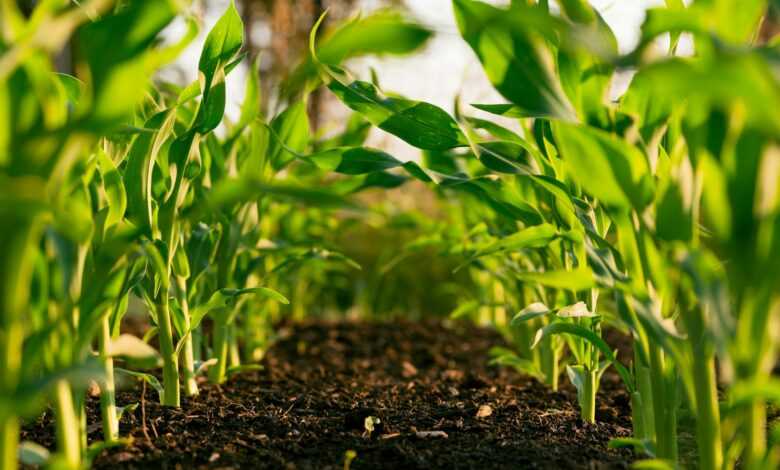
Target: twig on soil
x,y
143,413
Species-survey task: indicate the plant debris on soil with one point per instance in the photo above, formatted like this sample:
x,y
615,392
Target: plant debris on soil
x,y
400,395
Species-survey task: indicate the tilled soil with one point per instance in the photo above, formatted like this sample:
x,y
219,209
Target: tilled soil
x,y
438,405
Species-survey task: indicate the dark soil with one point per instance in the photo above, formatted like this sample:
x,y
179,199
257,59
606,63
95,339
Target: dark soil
x,y
424,382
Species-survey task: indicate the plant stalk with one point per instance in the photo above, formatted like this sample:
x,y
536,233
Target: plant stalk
x,y
588,404
755,434
170,361
218,371
107,391
644,388
549,359
10,361
67,425
664,404
187,352
707,412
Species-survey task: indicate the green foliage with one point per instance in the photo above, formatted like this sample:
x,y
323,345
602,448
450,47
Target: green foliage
x,y
657,213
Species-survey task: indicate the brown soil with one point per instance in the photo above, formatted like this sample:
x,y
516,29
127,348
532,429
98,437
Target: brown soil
x,y
424,382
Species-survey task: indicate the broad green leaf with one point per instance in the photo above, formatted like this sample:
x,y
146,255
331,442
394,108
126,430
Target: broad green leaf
x,y
728,79
354,160
534,310
516,58
115,47
221,299
222,46
673,219
506,110
420,124
229,192
289,135
579,11
73,87
578,279
180,264
537,236
610,169
138,172
728,20
134,351
505,157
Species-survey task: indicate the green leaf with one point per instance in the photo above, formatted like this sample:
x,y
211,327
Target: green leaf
x,y
115,48
465,308
290,135
532,311
134,351
150,379
139,169
73,87
505,157
537,236
222,46
673,219
420,124
747,392
506,110
644,446
515,55
354,160
578,279
225,298
229,192
610,169
579,11
114,188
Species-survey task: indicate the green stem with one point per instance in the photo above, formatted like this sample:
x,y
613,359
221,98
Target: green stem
x,y
638,416
107,391
233,351
187,353
170,361
588,404
9,441
67,425
645,389
755,434
664,414
549,359
218,371
10,361
707,412
19,240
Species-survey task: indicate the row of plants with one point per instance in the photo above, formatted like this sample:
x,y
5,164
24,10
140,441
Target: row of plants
x,y
116,188
656,213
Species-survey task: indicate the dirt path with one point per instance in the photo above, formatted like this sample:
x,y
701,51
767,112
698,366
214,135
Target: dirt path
x,y
425,384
